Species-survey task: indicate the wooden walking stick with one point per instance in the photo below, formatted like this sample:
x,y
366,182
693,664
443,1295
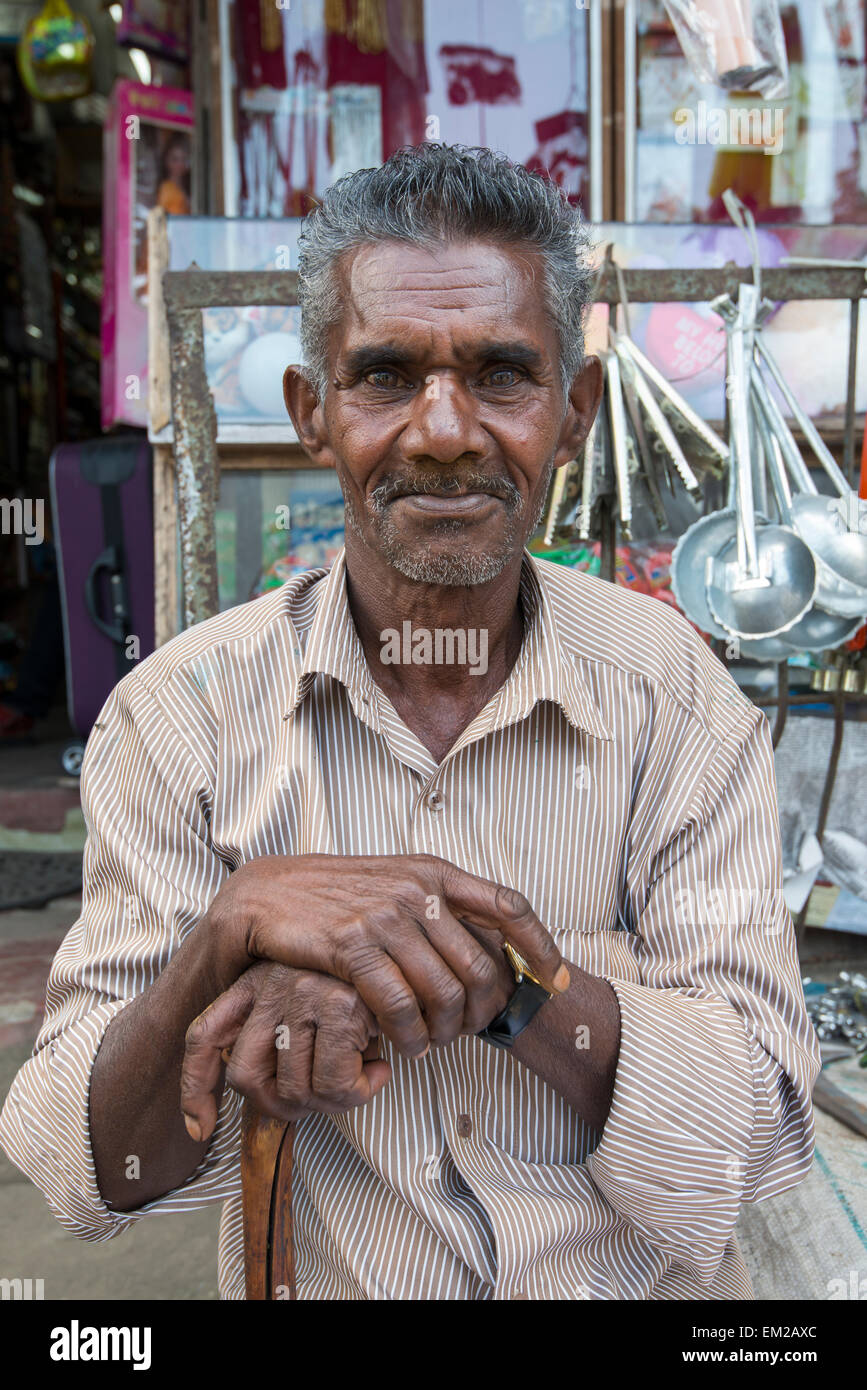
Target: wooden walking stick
x,y
266,1197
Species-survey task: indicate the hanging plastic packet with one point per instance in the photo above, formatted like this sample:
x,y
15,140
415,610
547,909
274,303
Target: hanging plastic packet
x,y
735,44
55,53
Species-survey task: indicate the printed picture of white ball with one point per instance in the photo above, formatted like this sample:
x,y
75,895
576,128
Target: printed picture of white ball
x,y
260,374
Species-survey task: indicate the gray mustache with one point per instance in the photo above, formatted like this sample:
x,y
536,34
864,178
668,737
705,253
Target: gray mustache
x,y
426,483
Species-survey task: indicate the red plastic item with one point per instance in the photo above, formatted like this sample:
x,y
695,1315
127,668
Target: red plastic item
x,y
859,641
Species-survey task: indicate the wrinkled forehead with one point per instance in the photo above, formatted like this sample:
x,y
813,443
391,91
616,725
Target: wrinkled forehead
x,y
468,290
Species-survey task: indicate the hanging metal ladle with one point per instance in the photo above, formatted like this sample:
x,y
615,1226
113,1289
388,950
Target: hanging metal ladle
x,y
702,540
818,630
705,538
817,521
764,581
841,523
714,447
617,422
659,425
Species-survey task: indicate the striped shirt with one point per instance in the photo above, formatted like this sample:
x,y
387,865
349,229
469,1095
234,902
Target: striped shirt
x,y
620,780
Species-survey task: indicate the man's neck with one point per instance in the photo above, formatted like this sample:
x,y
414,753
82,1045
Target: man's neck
x,y
435,697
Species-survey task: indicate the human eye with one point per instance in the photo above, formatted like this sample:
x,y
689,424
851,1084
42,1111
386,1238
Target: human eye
x,y
384,379
504,375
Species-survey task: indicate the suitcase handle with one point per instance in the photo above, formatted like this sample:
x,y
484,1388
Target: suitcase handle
x,y
109,560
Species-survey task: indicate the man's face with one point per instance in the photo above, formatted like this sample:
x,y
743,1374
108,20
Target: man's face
x,y
444,415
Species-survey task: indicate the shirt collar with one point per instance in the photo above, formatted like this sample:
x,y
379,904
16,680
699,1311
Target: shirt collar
x,y
544,669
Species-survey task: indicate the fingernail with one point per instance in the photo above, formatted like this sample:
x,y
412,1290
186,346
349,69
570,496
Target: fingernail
x,y
561,980
194,1129
423,1054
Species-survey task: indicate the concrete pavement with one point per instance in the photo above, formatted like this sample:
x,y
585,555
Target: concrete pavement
x,y
164,1258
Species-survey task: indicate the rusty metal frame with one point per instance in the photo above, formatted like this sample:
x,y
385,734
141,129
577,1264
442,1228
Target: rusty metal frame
x,y
778,283
187,292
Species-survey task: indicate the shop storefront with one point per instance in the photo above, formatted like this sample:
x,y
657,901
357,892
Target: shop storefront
x,y
602,97
157,161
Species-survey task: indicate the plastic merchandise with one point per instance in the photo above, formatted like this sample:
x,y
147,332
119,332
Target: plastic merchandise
x,y
735,44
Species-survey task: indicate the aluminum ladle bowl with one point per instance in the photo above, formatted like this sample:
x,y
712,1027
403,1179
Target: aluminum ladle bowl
x,y
746,610
843,553
763,581
704,538
817,631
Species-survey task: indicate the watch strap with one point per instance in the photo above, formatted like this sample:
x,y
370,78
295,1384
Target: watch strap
x,y
525,1003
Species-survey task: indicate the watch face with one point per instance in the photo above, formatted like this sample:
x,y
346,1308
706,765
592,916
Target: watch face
x,y
518,964
520,967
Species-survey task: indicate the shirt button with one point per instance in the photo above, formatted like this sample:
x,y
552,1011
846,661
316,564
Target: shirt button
x,y
435,801
519,1295
464,1126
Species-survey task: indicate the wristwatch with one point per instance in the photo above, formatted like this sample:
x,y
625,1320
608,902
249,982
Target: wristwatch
x,y
523,1006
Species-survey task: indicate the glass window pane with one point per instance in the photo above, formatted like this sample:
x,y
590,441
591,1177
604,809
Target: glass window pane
x,y
798,158
271,526
325,88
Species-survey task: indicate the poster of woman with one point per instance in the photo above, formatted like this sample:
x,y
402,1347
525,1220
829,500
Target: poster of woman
x,y
162,179
148,146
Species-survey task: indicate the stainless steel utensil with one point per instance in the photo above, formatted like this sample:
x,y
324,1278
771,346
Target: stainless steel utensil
x,y
656,419
617,420
854,512
706,537
646,462
558,487
817,631
715,447
839,552
764,581
586,480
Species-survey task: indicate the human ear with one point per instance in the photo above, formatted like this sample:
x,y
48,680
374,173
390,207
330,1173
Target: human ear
x,y
306,414
585,395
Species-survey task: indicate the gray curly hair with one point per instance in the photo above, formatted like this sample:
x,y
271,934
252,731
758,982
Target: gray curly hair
x,y
430,193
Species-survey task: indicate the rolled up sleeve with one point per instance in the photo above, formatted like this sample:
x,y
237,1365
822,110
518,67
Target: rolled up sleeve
x,y
711,1103
149,875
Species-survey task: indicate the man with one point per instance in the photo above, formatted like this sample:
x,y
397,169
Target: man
x,y
310,838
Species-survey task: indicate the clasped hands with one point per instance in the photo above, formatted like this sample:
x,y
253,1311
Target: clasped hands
x,y
329,952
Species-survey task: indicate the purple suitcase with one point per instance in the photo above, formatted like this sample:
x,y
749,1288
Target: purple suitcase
x,y
102,509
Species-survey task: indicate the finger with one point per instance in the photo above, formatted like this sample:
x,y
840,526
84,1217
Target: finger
x,y
341,1078
387,993
216,1028
473,965
252,1070
439,991
295,1061
497,908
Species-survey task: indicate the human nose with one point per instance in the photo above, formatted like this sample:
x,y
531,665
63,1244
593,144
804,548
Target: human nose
x,y
444,423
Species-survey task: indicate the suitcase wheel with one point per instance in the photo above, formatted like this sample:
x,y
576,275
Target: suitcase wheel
x,y
71,759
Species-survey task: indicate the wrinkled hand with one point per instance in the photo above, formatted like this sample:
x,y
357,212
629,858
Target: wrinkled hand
x,y
300,1042
417,936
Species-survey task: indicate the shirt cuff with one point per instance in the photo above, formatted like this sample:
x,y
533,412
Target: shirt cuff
x,y
45,1131
673,1155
